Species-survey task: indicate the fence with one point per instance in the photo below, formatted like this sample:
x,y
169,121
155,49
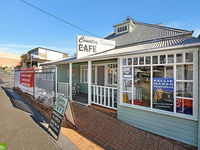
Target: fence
x,y
104,96
17,78
63,88
44,86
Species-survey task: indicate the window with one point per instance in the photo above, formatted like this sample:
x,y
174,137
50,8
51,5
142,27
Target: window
x,y
112,73
84,74
142,86
122,29
161,82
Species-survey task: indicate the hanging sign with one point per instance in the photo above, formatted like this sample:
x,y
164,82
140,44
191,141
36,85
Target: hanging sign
x,y
59,109
89,45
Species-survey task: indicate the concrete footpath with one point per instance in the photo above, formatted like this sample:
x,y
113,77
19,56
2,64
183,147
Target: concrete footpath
x,y
19,129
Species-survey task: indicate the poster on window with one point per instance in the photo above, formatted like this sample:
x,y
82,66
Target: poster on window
x,y
184,106
127,72
27,80
163,93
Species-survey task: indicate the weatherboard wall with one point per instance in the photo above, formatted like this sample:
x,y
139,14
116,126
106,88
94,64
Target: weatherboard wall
x,y
179,129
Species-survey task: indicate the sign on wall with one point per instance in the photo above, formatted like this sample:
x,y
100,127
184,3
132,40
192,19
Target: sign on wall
x,y
27,80
90,45
163,93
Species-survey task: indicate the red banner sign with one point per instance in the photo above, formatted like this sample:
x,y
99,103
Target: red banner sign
x,y
27,77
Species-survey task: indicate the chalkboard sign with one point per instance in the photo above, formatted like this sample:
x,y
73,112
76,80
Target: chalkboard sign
x,y
59,109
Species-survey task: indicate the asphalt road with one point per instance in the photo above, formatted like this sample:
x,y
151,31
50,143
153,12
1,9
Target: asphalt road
x,y
6,78
21,126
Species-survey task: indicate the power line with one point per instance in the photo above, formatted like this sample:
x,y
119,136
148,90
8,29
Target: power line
x,y
60,19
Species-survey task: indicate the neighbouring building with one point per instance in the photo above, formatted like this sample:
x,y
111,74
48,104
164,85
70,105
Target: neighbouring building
x,y
9,60
150,77
39,55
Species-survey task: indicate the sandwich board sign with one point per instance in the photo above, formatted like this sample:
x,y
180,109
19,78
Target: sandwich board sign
x,y
59,109
90,45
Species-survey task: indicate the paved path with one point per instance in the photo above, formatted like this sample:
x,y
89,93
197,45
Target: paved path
x,y
113,134
19,130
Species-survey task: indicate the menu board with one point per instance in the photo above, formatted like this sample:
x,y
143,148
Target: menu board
x,y
59,109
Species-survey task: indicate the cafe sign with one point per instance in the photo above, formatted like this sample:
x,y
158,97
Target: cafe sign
x,y
90,45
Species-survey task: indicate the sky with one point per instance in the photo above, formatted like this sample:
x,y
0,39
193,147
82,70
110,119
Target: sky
x,y
23,28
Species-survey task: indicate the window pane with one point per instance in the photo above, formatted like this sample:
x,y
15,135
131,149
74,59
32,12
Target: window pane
x,y
162,59
170,58
141,61
179,58
127,97
129,61
169,72
184,106
115,76
127,85
184,72
124,61
86,78
110,78
158,71
93,76
127,72
135,61
148,59
155,59
142,86
189,57
184,89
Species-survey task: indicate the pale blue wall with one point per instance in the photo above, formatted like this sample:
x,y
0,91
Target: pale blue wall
x,y
63,73
179,129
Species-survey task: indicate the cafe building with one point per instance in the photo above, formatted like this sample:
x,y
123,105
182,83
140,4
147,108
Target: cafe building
x,y
148,73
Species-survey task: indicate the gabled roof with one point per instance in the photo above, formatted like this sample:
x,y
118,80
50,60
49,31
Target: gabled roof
x,y
145,32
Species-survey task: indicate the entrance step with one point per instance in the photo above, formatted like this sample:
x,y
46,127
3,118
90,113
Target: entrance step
x,y
110,112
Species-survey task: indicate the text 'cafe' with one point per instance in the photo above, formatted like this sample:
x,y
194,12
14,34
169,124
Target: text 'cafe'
x,y
147,73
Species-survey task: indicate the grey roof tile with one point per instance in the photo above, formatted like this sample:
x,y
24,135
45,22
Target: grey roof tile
x,y
145,32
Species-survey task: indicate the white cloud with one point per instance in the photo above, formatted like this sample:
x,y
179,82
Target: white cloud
x,y
21,48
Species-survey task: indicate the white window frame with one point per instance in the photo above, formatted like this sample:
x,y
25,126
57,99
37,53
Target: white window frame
x,y
195,84
122,26
106,73
85,68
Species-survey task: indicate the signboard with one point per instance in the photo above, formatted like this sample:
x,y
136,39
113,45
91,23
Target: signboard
x,y
27,80
163,93
60,104
127,72
184,106
59,109
89,45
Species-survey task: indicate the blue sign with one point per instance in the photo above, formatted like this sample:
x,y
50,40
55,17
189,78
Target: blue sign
x,y
166,84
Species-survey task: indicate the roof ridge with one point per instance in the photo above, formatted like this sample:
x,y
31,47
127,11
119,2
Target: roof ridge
x,y
164,27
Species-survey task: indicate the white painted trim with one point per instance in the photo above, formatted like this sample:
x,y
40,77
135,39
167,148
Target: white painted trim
x,y
89,81
70,81
195,84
